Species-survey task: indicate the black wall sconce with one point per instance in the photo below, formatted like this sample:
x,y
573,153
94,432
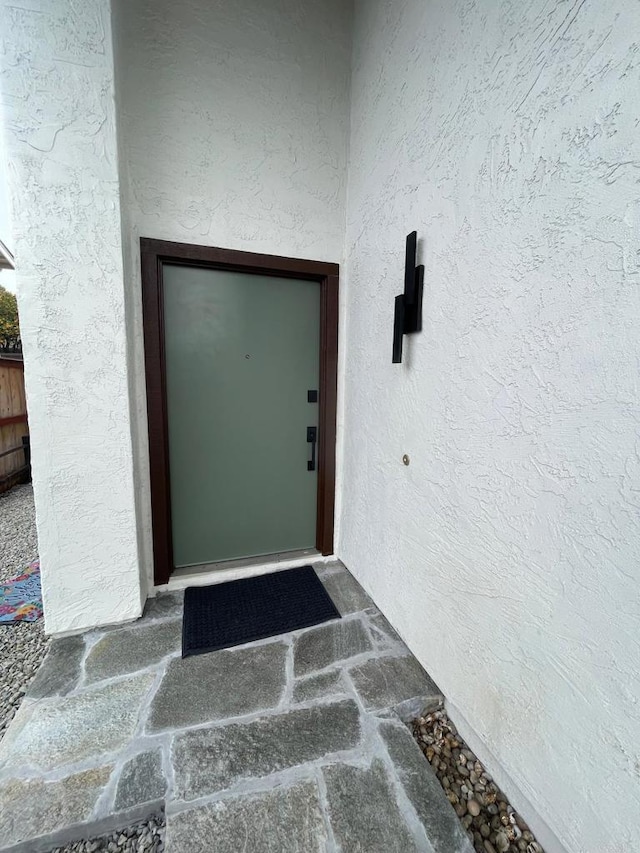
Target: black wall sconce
x,y
408,307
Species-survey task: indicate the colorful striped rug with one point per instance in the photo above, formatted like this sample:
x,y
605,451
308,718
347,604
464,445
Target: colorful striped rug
x,y
21,597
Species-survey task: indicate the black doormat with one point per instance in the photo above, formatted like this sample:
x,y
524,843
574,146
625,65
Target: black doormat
x,y
229,614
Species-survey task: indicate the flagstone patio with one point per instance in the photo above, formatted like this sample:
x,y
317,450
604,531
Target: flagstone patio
x,y
293,743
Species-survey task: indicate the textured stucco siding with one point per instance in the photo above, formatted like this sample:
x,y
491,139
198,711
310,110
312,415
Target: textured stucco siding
x,y
507,553
233,124
5,214
58,102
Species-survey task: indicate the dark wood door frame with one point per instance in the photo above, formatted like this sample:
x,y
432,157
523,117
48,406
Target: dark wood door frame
x,y
156,253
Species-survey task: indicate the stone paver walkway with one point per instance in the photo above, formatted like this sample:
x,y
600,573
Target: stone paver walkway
x,y
292,744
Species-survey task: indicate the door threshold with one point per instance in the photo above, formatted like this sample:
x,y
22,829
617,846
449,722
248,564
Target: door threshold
x,y
242,562
212,573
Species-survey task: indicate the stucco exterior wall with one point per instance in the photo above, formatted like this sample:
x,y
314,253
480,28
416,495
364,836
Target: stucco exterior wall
x,y
233,121
5,214
58,101
507,553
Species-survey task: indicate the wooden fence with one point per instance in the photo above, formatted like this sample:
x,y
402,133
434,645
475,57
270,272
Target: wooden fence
x,y
14,429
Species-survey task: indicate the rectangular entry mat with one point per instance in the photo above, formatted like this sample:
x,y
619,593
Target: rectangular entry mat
x,y
241,611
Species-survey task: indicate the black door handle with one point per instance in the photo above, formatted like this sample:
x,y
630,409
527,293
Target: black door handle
x,y
312,438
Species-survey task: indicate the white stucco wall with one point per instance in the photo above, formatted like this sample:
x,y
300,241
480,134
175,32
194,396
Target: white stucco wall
x,y
58,99
507,553
233,123
5,215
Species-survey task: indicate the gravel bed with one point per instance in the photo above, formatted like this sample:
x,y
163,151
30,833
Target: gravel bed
x,y
22,644
18,540
491,823
147,837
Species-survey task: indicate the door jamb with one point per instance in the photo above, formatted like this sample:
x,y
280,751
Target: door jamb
x,y
155,253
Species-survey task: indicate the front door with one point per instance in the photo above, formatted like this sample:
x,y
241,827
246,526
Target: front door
x,y
242,381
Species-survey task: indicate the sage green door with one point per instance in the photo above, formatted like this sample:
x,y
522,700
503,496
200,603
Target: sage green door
x,y
242,353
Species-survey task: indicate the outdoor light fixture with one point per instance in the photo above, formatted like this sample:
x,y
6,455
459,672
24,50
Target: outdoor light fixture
x,y
408,307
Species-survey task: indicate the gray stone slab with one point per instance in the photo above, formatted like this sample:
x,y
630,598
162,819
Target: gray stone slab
x,y
345,591
167,604
60,670
384,682
141,781
219,685
423,789
210,760
283,820
32,809
364,811
317,686
324,569
77,727
336,641
383,634
132,649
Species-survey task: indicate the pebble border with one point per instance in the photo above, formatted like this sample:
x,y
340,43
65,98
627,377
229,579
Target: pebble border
x,y
487,816
146,837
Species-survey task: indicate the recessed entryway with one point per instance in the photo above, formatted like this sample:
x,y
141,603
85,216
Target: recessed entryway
x,y
241,361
